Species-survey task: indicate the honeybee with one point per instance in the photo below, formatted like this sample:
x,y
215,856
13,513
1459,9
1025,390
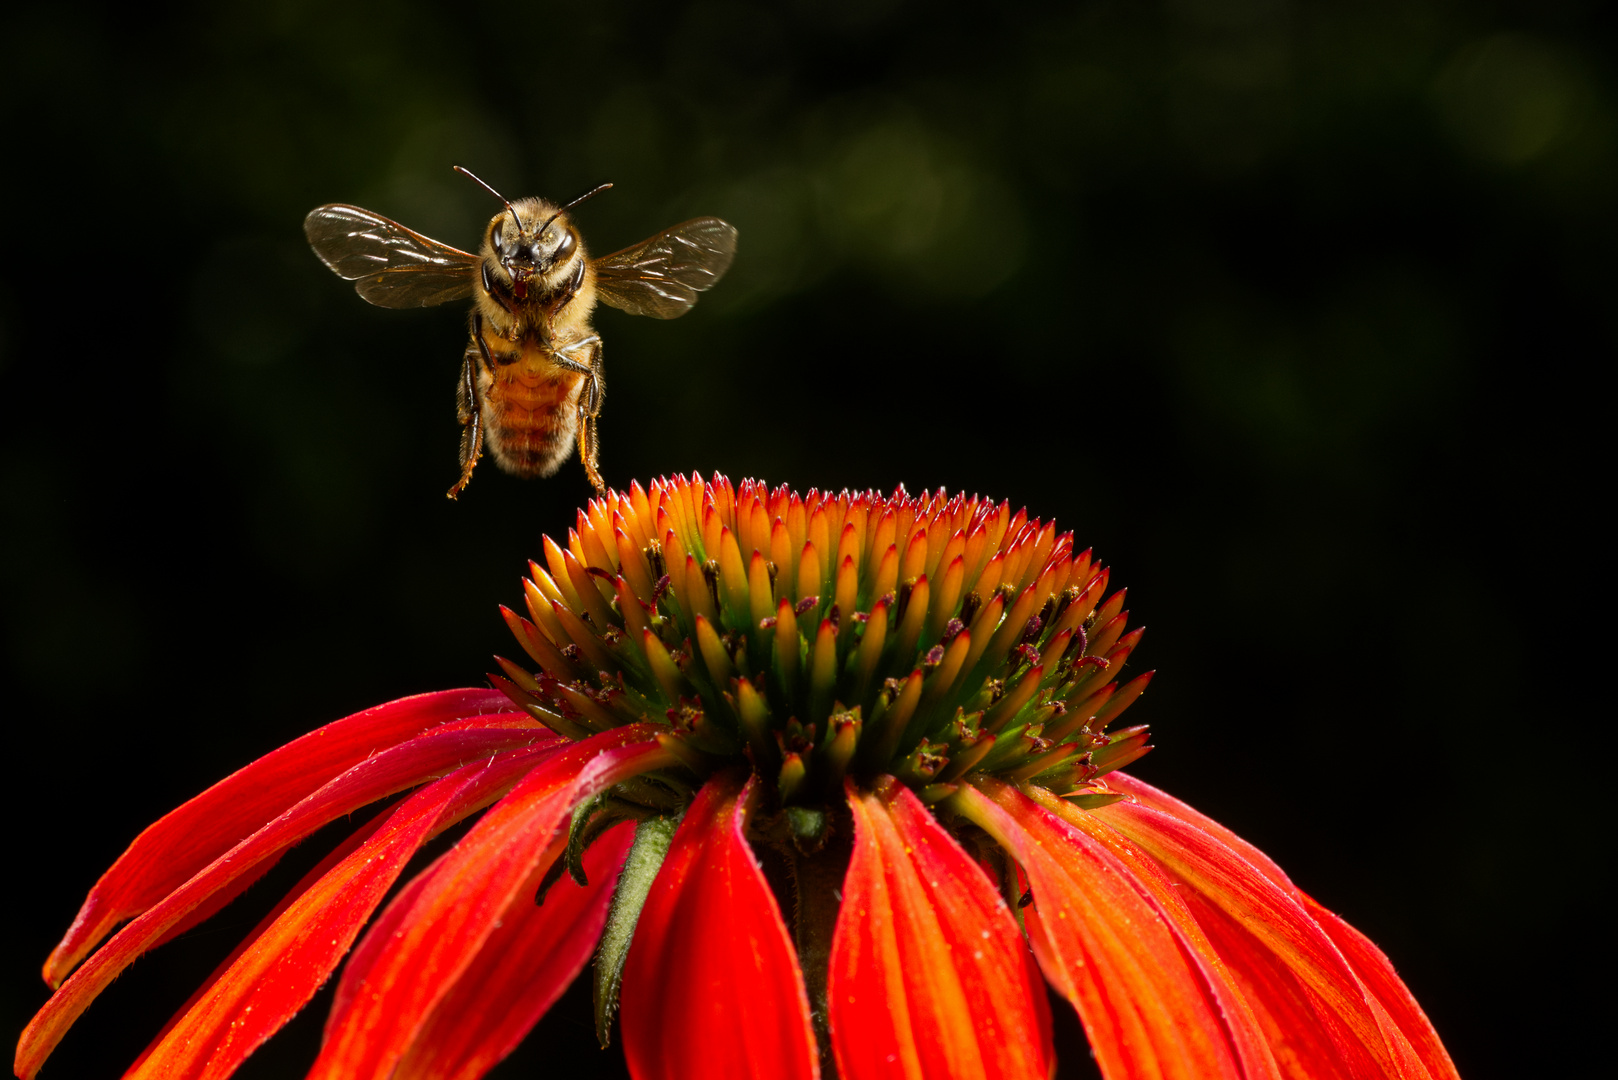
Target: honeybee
x,y
531,382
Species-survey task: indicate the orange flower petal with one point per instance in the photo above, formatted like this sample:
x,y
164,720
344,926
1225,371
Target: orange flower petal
x,y
1106,946
712,986
1248,1037
1159,799
532,957
1390,992
457,910
1306,1042
277,971
369,950
1323,1019
190,837
929,974
391,770
1366,959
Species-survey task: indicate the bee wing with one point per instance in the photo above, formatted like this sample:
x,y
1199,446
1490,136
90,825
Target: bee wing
x,y
662,276
390,265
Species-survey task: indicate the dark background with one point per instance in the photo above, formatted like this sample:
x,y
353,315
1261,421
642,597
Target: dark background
x,y
1298,313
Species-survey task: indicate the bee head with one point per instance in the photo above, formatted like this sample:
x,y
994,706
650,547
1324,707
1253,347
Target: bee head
x,y
532,246
526,247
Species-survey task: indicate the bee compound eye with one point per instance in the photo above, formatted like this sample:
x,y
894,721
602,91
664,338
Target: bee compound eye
x,y
497,239
565,248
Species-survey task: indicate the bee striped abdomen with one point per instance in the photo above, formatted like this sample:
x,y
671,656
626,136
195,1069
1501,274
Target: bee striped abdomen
x,y
530,415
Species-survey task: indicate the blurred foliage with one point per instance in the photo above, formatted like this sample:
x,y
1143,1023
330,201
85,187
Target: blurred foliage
x,y
1296,312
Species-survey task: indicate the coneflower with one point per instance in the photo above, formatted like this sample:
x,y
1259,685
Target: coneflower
x,y
824,783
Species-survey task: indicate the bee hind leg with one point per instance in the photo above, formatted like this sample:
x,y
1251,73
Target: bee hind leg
x,y
589,410
589,404
469,410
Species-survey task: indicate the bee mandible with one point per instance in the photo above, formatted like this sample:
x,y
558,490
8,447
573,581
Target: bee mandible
x,y
531,378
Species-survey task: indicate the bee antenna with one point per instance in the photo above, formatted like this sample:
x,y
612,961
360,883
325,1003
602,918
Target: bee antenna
x,y
597,190
474,177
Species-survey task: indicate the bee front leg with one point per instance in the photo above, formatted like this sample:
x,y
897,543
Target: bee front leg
x,y
493,291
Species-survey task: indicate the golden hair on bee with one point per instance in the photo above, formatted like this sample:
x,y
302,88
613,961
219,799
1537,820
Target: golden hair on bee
x,y
531,382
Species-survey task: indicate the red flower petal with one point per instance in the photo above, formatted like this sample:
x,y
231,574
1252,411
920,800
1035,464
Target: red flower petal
x,y
1308,1042
1322,1018
1158,799
188,838
369,950
276,973
333,859
533,956
391,770
1375,970
1365,958
712,986
1367,961
929,974
1248,1037
1105,945
459,905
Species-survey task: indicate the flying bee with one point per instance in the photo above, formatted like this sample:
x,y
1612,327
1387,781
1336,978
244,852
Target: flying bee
x,y
531,382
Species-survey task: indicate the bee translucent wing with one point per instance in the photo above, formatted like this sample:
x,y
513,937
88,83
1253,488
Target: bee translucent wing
x,y
661,277
390,265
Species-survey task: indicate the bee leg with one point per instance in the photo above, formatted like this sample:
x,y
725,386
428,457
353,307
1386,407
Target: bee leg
x,y
589,409
471,418
589,402
469,408
562,360
493,291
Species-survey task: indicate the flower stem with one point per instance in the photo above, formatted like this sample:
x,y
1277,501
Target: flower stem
x,y
818,881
